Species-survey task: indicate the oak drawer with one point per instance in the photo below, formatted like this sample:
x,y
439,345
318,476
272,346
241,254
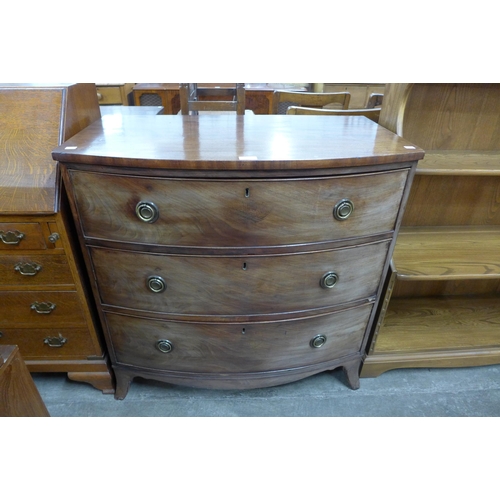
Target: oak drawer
x,y
31,270
18,309
37,343
237,347
21,236
236,213
216,285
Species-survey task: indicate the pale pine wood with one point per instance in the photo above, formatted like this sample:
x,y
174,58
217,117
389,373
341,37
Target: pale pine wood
x,y
442,309
428,253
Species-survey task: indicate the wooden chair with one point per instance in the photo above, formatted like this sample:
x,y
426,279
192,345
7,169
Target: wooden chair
x,y
375,101
282,99
372,114
191,103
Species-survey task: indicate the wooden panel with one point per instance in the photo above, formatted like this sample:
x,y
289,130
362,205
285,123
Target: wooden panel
x,y
453,116
237,213
28,235
231,348
50,270
460,163
15,309
441,200
19,396
35,342
238,285
448,253
440,323
28,177
239,143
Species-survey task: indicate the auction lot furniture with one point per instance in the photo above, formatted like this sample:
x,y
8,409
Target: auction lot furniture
x,y
234,251
441,306
19,396
45,303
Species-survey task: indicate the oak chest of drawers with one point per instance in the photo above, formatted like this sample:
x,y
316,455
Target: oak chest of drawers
x,y
236,251
45,304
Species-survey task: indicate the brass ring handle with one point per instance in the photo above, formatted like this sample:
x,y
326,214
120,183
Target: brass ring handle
x,y
43,307
11,237
156,284
55,341
164,346
343,209
318,341
27,268
329,280
147,211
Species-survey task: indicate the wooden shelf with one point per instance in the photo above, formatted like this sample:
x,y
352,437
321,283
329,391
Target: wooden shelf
x,y
441,323
446,253
456,162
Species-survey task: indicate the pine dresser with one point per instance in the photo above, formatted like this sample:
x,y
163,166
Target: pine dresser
x,y
233,251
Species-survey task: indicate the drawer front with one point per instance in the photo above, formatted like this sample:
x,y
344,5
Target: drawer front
x,y
236,348
41,309
47,344
109,95
237,285
236,213
21,236
31,270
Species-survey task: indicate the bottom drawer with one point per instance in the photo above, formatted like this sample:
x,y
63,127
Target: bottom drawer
x,y
45,344
236,347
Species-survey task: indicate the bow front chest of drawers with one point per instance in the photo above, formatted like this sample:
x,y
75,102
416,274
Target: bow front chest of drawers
x,y
233,251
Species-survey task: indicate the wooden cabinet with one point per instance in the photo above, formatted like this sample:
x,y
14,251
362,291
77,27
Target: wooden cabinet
x,y
19,396
258,97
45,304
442,303
236,252
114,93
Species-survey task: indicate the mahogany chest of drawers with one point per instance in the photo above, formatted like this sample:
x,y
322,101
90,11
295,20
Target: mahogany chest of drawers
x,y
236,251
45,304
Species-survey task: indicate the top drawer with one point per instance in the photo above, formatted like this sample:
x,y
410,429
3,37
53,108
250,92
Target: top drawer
x,y
21,236
236,213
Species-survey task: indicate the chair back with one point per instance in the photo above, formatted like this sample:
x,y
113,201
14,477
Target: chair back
x,y
282,99
372,114
192,98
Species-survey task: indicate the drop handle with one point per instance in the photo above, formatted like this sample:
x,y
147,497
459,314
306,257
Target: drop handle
x,y
28,268
11,237
43,307
55,341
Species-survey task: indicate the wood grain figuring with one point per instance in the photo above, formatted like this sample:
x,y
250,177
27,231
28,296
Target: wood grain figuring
x,y
453,116
246,232
237,347
448,253
227,142
237,285
236,213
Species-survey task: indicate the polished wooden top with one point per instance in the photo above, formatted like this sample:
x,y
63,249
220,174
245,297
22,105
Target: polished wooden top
x,y
231,142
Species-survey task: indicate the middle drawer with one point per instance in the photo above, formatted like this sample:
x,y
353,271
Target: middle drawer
x,y
238,285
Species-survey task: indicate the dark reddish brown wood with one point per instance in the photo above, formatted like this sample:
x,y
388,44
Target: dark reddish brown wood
x,y
246,231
